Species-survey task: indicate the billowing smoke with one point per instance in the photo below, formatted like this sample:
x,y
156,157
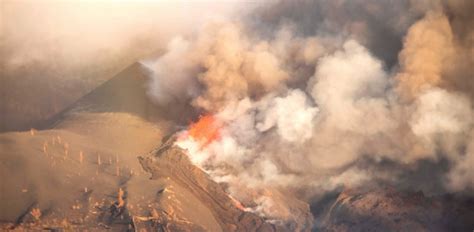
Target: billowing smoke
x,y
308,101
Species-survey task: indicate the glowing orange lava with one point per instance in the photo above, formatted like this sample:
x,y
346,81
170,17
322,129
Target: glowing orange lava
x,y
205,130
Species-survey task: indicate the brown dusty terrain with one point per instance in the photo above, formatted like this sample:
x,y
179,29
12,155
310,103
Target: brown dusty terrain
x,y
106,187
70,173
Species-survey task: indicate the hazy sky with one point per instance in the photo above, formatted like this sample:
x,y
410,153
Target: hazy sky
x,y
55,51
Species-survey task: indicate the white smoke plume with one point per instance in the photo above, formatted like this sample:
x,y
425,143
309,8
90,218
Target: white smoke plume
x,y
312,110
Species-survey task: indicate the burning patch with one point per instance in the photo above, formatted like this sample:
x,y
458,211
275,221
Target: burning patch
x,y
205,130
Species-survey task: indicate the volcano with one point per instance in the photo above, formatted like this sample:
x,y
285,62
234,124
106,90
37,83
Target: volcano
x,y
108,162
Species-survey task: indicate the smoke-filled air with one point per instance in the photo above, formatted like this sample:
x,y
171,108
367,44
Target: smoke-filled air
x,y
272,115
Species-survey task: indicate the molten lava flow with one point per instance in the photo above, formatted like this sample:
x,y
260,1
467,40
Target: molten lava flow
x,y
205,130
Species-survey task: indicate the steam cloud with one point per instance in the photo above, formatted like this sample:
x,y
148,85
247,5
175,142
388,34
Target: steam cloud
x,y
313,105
